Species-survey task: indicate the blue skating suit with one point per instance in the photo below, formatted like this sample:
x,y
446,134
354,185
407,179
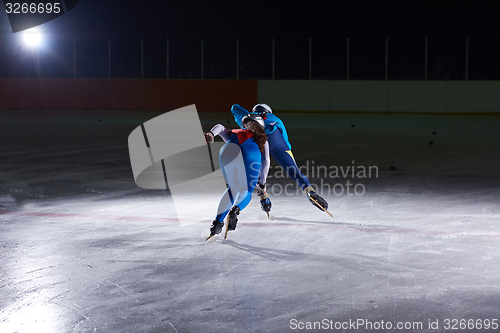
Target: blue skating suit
x,y
279,146
241,174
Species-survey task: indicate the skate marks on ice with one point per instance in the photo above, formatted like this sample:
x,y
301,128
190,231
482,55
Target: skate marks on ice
x,y
282,220
347,264
269,253
289,220
349,261
274,220
357,227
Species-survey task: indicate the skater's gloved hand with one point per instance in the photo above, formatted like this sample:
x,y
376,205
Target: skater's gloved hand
x,y
261,189
209,137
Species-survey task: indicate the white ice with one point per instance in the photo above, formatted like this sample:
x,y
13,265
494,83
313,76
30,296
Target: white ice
x,y
83,249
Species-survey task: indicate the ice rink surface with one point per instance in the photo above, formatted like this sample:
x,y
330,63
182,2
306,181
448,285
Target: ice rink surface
x,y
83,249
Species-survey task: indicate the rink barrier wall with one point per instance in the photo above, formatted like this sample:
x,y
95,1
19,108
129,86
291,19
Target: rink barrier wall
x,y
124,94
326,96
422,97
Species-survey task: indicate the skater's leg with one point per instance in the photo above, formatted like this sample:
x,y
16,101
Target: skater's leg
x,y
225,205
249,174
283,155
286,160
230,159
240,167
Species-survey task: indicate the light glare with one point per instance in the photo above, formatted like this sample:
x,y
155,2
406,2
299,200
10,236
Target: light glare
x,y
32,38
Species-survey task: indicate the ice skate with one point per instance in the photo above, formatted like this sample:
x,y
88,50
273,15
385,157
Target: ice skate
x,y
265,202
265,205
232,219
215,229
315,199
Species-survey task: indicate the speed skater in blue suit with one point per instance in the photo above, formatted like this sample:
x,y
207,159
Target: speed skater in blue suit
x,y
243,158
281,149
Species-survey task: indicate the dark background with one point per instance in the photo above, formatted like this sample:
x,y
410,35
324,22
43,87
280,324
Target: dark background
x,y
89,27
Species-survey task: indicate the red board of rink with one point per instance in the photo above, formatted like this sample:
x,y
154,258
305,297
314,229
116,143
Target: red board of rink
x,y
42,94
124,94
114,94
162,95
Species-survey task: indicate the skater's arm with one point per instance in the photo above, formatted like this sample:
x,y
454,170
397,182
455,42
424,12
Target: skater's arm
x,y
220,130
264,168
238,113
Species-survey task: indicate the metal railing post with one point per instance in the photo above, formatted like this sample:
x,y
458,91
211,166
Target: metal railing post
x,y
74,57
310,58
167,59
426,57
347,58
273,58
466,58
142,58
109,58
386,57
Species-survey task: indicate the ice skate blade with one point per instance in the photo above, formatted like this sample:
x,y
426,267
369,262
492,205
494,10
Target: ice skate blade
x,y
212,238
227,227
321,206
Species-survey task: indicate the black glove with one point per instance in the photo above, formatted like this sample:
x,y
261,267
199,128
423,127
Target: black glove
x,y
209,137
261,189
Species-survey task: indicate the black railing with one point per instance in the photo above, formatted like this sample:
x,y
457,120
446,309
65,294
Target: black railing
x,y
356,58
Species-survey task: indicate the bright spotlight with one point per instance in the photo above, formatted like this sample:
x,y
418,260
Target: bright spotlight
x,y
32,38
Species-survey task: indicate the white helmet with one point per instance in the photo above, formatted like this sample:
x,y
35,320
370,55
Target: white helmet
x,y
255,117
262,108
